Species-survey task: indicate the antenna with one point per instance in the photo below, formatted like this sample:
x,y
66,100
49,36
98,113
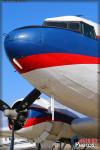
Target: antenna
x,y
79,15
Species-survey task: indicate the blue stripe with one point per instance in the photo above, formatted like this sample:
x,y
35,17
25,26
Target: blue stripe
x,y
29,41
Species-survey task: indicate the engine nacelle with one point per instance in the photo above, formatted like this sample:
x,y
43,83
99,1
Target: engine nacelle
x,y
36,124
39,126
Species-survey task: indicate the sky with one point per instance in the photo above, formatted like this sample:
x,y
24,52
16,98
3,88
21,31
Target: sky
x,y
16,14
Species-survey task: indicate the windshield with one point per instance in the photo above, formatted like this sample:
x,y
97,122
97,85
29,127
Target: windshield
x,y
88,30
81,27
75,26
56,24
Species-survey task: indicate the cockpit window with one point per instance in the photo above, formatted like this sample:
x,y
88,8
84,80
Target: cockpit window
x,y
80,27
88,30
56,24
74,26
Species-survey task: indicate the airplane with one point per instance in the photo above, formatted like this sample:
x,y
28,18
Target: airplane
x,y
35,124
60,58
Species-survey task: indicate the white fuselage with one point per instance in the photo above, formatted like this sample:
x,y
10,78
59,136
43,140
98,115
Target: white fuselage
x,y
75,86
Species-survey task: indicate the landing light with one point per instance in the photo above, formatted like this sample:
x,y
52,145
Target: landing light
x,y
17,63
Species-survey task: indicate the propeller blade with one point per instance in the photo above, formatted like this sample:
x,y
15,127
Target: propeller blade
x,y
12,139
4,105
28,100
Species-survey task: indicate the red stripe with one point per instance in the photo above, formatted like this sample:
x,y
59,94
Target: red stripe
x,y
32,121
37,61
98,36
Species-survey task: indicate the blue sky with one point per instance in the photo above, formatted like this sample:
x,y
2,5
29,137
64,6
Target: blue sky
x,y
15,15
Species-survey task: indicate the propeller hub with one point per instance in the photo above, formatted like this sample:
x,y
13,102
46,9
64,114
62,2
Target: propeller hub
x,y
11,113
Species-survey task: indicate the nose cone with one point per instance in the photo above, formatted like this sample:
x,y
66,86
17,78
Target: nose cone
x,y
38,47
21,42
20,45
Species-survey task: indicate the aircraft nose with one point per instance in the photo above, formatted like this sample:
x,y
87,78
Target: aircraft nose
x,y
21,42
